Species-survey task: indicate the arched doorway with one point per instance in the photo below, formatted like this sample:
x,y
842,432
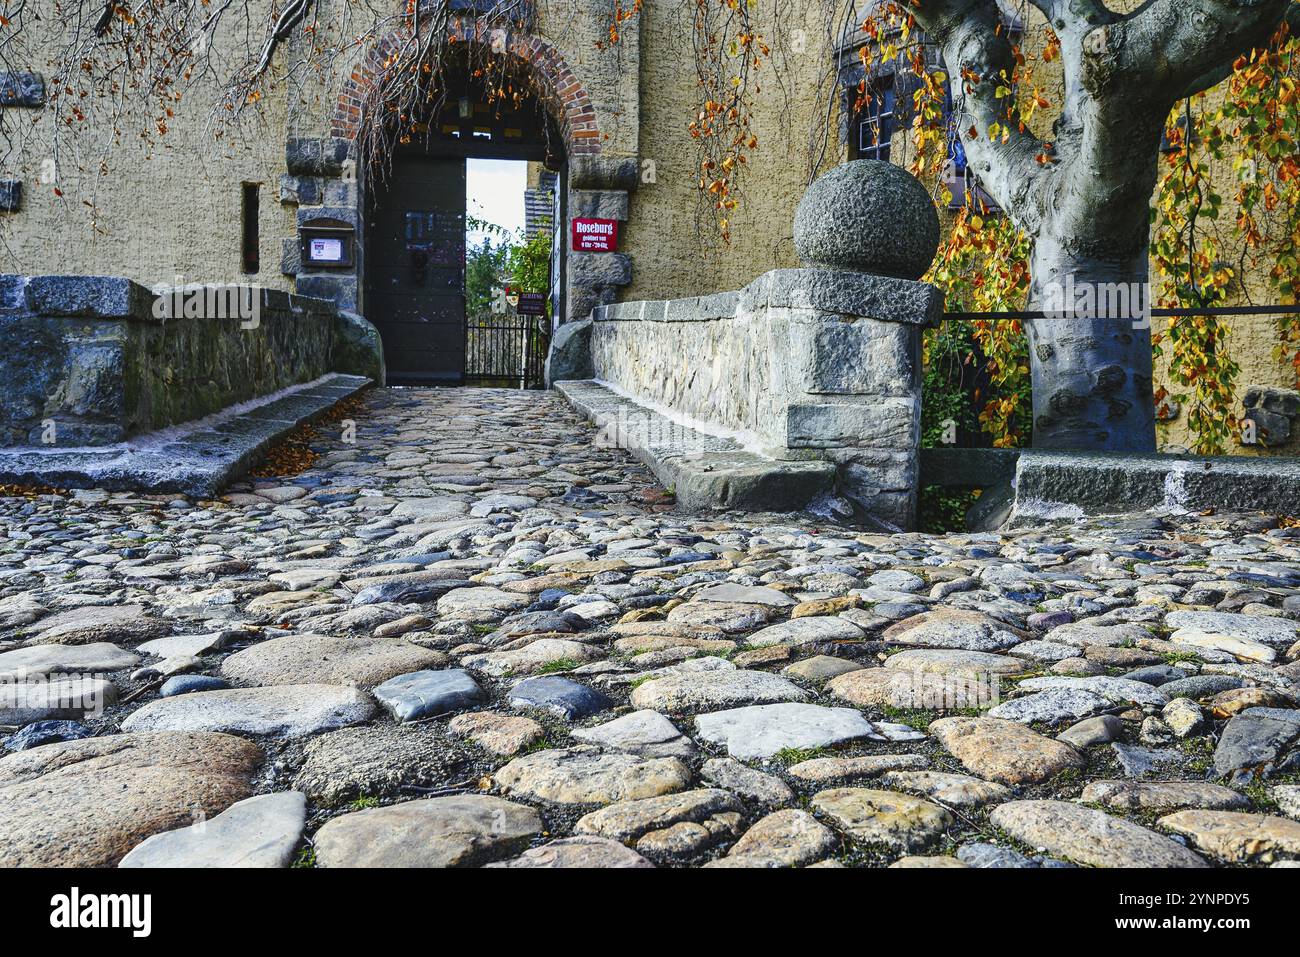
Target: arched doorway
x,y
411,290
415,228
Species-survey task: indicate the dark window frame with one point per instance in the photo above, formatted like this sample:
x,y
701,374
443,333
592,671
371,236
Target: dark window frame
x,y
250,236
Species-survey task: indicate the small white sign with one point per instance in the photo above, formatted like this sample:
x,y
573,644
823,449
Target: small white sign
x,y
326,250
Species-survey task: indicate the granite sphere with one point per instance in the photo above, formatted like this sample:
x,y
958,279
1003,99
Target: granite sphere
x,y
867,216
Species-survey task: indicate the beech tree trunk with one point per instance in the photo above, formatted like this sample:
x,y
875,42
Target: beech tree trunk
x,y
1084,199
1091,376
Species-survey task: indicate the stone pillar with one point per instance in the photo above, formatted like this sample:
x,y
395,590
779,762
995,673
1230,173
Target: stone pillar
x,y
865,232
322,183
598,188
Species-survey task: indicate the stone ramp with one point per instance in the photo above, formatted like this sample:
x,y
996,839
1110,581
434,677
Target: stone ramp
x,y
196,458
705,471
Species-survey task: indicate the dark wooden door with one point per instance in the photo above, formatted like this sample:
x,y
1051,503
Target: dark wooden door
x,y
415,269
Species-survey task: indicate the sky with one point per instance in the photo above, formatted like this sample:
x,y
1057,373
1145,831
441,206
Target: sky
x,y
494,191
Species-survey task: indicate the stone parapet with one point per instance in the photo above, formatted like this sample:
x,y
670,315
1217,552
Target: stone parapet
x,y
800,365
94,360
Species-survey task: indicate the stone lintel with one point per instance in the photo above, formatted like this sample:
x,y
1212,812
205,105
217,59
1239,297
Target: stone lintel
x,y
347,214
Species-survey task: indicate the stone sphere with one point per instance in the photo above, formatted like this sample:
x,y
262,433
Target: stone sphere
x,y
867,216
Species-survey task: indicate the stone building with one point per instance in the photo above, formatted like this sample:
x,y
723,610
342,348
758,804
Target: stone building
x,y
608,122
287,202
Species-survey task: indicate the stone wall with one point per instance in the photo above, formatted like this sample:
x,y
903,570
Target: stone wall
x,y
800,364
92,360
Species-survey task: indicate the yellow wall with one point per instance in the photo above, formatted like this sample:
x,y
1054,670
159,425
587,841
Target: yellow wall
x,y
674,244
156,212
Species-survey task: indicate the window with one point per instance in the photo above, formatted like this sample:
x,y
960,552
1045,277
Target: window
x,y
250,252
876,122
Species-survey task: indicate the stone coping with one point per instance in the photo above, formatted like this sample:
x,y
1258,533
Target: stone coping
x,y
850,294
122,299
196,458
704,471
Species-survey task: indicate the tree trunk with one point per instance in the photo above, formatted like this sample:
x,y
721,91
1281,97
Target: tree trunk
x,y
1091,376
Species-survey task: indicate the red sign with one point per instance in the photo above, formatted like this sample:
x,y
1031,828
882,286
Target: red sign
x,y
595,235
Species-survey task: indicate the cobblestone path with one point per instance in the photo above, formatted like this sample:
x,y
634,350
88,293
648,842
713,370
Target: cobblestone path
x,y
468,635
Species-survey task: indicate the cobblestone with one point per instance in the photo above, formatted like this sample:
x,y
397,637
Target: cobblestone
x,y
485,530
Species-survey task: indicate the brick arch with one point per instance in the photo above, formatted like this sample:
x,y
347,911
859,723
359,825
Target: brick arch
x,y
564,96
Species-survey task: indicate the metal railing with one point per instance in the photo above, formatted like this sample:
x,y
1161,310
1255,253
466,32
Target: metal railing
x,y
506,351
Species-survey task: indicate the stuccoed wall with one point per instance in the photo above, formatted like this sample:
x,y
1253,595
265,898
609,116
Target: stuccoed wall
x,y
90,354
164,211
674,244
803,363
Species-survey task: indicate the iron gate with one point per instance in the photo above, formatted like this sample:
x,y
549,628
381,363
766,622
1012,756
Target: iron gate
x,y
507,351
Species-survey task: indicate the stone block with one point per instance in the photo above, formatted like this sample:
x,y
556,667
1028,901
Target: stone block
x,y
598,204
1271,429
885,421
1278,401
603,172
21,88
347,214
878,470
1066,484
583,299
299,190
600,269
1275,413
358,349
13,299
338,288
341,192
91,297
570,354
847,294
863,357
305,156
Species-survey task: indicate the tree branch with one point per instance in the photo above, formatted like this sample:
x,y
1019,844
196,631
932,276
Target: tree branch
x,y
1163,50
979,58
1075,16
293,15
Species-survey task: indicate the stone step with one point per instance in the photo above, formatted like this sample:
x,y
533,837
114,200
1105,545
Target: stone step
x,y
704,470
196,458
